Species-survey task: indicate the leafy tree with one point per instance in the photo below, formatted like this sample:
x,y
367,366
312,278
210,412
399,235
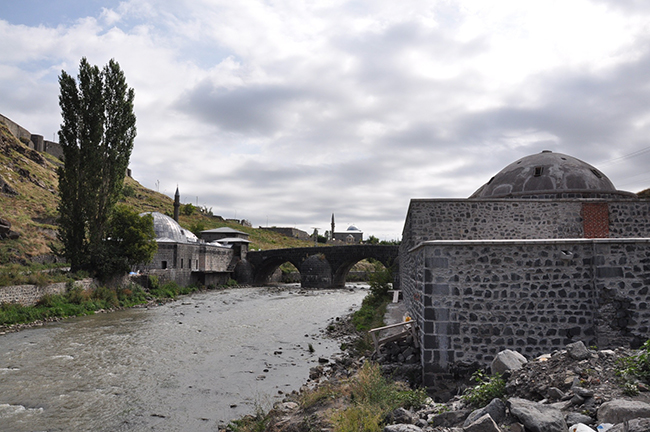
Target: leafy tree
x,y
372,240
130,240
96,137
188,209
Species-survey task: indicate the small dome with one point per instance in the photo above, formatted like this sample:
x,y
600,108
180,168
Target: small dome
x,y
168,229
353,228
548,175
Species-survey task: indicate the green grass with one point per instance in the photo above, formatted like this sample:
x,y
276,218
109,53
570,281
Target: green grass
x,y
373,397
78,302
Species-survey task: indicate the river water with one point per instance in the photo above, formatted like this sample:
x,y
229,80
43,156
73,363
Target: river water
x,y
190,365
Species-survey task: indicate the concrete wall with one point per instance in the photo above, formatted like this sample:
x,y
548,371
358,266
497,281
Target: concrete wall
x,y
28,295
472,299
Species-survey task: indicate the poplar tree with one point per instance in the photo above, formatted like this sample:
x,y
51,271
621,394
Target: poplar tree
x,y
97,137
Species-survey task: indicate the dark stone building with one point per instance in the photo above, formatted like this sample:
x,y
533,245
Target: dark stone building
x,y
545,253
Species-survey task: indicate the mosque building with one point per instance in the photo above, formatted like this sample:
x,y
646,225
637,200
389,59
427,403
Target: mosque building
x,y
184,258
547,252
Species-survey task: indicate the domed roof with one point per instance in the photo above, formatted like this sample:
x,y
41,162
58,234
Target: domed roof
x,y
353,228
548,175
167,229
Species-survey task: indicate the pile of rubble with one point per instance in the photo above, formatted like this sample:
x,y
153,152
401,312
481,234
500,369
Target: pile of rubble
x,y
575,390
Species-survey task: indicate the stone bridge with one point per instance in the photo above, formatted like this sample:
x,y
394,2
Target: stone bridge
x,y
319,267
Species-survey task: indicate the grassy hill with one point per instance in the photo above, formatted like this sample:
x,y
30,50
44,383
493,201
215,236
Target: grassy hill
x,y
28,200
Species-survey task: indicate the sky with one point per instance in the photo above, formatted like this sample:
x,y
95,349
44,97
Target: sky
x,y
284,112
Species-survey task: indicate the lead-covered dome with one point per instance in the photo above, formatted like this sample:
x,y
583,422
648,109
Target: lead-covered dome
x,y
167,229
549,175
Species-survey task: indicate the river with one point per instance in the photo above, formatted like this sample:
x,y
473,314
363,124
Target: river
x,y
192,364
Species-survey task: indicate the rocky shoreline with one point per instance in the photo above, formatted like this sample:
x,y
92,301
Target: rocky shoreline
x,y
575,389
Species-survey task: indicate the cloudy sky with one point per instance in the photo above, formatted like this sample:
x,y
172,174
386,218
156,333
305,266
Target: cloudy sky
x,y
282,112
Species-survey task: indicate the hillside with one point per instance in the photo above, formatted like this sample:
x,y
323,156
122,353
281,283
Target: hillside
x,y
28,200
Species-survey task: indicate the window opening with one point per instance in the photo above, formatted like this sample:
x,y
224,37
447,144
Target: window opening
x,y
539,171
181,262
596,173
163,264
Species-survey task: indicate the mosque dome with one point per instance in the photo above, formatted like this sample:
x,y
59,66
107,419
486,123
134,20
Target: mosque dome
x,y
353,228
167,229
549,175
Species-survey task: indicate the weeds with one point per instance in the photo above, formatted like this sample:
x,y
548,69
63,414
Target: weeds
x,y
634,368
311,398
373,397
487,388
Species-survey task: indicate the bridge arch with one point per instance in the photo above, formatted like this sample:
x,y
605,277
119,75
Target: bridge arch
x,y
328,269
262,274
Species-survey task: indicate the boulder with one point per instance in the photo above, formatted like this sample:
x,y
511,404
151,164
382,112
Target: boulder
x,y
537,417
483,424
507,360
619,410
578,351
636,425
401,415
574,418
402,428
5,226
449,418
496,409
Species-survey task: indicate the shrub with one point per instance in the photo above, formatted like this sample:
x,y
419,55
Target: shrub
x,y
374,397
381,280
636,366
488,388
76,294
106,296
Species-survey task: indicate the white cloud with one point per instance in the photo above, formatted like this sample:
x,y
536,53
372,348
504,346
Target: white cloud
x,y
294,110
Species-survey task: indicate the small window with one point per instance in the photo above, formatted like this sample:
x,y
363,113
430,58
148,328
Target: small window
x,y
490,181
538,171
163,264
181,262
596,173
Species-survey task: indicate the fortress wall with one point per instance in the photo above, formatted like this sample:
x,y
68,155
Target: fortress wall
x,y
18,131
28,295
474,299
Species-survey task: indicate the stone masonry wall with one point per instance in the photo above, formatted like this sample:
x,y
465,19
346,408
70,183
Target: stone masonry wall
x,y
473,299
28,295
461,219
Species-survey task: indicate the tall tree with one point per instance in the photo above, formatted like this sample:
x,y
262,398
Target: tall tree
x,y
97,137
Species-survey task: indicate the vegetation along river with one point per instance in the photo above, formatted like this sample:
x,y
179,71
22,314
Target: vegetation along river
x,y
192,364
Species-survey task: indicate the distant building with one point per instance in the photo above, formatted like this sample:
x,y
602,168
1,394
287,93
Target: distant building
x,y
352,235
186,259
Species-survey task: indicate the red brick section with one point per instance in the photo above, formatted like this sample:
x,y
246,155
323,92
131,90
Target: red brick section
x,y
595,220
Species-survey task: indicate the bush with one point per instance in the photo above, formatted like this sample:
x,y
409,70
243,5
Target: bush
x,y
635,367
106,296
188,209
381,280
488,388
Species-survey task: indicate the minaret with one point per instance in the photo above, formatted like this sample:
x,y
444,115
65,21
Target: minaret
x,y
177,204
332,232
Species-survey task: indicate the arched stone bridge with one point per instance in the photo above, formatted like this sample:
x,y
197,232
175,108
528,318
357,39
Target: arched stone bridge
x,y
319,267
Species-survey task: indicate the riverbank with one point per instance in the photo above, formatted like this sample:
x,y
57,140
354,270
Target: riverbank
x,y
586,389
